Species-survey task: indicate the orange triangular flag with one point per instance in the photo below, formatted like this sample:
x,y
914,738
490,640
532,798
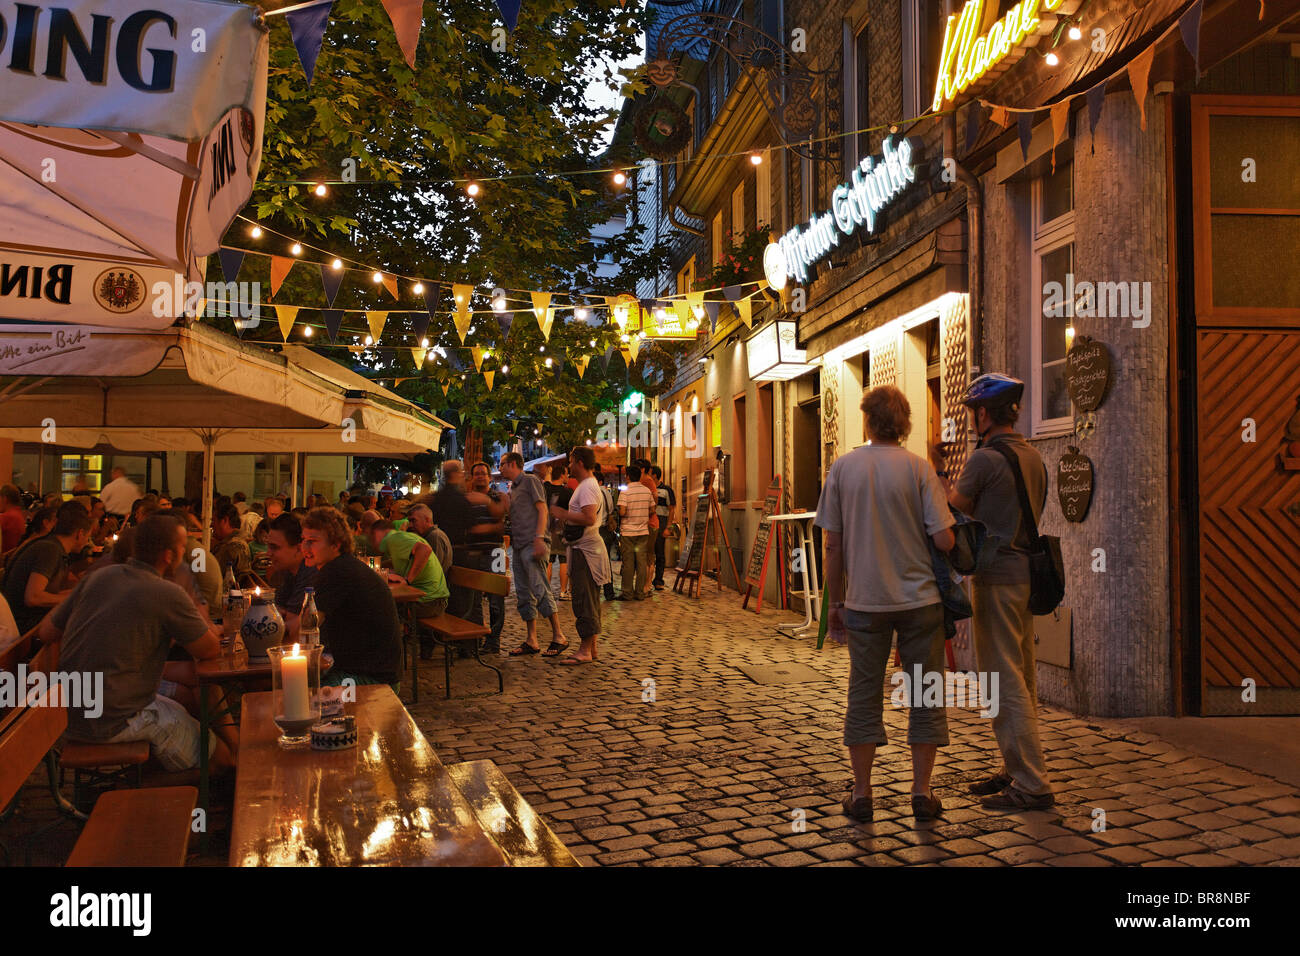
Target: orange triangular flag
x,y
419,355
376,322
546,324
746,309
286,314
582,366
1139,70
390,283
541,300
488,377
477,352
627,357
280,267
1000,116
1060,120
445,386
406,16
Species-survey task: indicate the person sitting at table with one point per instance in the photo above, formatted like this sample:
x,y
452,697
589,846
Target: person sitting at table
x,y
359,622
421,522
230,548
12,521
413,563
37,577
291,575
121,622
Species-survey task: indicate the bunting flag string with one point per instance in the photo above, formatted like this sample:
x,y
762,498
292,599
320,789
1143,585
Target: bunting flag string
x,y
231,260
505,320
510,12
280,267
418,355
462,293
390,283
1139,71
746,309
488,377
330,280
1060,119
477,353
333,319
541,302
376,322
581,362
445,386
546,325
406,16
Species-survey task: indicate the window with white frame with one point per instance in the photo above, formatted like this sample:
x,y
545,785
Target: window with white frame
x,y
715,236
686,277
923,25
857,70
1050,326
738,212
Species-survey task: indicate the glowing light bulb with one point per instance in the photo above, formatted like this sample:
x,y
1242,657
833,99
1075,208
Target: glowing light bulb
x,y
369,340
472,189
505,369
424,343
378,277
593,343
1053,59
580,313
542,349
548,361
306,331
337,264
619,177
756,159
297,249
418,288
320,189
1075,32
255,232
499,304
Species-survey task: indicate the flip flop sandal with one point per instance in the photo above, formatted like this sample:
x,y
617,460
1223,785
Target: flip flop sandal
x,y
523,650
553,650
575,661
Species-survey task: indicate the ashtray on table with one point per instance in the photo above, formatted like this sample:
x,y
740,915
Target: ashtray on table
x,y
337,733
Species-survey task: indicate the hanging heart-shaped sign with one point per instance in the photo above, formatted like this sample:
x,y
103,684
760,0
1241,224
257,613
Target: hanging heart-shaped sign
x,y
1087,373
1074,484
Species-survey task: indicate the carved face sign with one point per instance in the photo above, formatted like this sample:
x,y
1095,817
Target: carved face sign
x,y
661,72
1074,484
1087,373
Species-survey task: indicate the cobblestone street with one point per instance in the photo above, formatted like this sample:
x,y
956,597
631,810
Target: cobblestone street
x,y
717,768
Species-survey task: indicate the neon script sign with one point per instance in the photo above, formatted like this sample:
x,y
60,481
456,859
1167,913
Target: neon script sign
x,y
967,56
877,181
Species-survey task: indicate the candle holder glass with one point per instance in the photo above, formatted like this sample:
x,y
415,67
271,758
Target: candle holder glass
x,y
295,692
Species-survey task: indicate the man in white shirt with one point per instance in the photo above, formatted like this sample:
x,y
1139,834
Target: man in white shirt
x,y
119,495
635,505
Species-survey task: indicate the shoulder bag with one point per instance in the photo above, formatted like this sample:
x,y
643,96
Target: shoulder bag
x,y
1046,569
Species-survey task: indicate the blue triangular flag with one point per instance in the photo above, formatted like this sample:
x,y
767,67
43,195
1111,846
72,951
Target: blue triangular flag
x,y
1096,97
510,12
231,260
420,325
432,297
330,279
712,309
733,293
973,119
1025,126
307,27
333,320
1190,27
505,320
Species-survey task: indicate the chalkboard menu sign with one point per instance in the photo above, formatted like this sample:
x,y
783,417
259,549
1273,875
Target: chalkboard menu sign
x,y
692,553
1087,373
757,569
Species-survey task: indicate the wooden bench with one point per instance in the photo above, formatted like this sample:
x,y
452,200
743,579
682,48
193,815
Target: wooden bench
x,y
508,819
451,631
135,828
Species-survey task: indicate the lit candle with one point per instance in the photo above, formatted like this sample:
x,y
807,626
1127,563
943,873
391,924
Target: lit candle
x,y
293,679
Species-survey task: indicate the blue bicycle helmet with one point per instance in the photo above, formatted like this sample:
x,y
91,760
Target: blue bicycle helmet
x,y
994,389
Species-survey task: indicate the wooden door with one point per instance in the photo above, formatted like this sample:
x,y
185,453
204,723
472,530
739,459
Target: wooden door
x,y
1249,519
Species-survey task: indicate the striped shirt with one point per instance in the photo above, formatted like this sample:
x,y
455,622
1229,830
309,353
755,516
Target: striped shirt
x,y
636,503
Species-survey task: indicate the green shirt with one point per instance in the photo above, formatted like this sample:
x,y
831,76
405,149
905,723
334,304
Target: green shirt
x,y
401,524
397,547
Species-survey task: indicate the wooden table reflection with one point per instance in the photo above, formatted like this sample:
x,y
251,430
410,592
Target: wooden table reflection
x,y
387,802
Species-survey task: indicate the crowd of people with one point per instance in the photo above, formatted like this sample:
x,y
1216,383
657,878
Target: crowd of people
x,y
125,582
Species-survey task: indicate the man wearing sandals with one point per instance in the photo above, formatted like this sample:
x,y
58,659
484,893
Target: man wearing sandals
x,y
589,567
1003,626
530,548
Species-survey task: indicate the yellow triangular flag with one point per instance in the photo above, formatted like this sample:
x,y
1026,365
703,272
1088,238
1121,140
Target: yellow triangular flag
x,y
419,356
746,309
696,301
286,314
463,294
611,304
488,377
280,267
541,300
1139,70
546,324
627,357
445,386
582,366
376,322
478,358
683,310
390,283
634,346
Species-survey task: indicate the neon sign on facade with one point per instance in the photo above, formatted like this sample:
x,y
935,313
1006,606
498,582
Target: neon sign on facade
x,y
967,56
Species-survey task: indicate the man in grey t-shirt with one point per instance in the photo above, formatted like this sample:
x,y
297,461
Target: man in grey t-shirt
x,y
1003,626
120,622
530,548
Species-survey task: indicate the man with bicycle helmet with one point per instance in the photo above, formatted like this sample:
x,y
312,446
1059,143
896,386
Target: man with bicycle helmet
x,y
1003,625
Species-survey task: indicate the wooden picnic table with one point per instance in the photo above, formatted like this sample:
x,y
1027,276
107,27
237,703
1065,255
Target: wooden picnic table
x,y
387,802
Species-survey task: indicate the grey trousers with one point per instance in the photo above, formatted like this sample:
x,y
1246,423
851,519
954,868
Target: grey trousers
x,y
1004,644
920,642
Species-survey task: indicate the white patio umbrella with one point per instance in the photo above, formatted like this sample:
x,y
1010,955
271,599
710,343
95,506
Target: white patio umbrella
x,y
195,389
130,137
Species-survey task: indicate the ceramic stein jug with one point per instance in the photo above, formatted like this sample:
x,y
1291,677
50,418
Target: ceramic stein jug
x,y
262,627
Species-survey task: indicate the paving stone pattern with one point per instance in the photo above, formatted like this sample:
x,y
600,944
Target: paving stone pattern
x,y
719,770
